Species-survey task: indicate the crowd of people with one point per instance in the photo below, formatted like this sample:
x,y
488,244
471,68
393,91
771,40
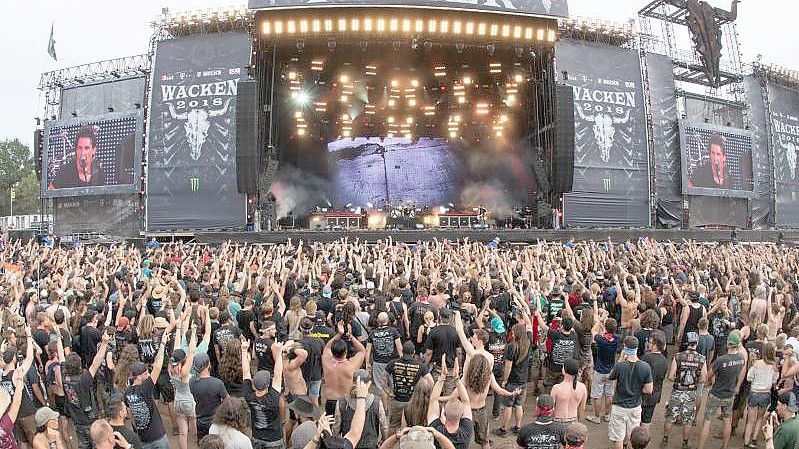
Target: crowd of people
x,y
366,345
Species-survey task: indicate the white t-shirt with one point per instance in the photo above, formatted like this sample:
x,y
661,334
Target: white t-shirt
x,y
233,438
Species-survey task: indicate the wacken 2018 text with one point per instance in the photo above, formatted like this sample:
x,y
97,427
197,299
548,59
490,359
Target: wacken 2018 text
x,y
170,92
604,101
787,131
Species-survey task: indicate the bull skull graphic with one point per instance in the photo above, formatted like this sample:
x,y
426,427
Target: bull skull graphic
x,y
604,129
197,126
790,155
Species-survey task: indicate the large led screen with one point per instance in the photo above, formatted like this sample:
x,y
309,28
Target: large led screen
x,y
716,160
92,155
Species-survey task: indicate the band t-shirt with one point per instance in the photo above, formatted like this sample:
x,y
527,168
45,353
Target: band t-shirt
x,y
264,413
630,380
383,348
144,415
77,392
563,348
405,374
541,434
727,368
263,350
689,370
496,347
7,439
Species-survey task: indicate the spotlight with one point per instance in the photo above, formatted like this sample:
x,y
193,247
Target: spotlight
x,y
490,48
300,46
302,98
428,45
459,47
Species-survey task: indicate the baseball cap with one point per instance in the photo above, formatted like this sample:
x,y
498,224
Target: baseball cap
x,y
789,400
137,368
327,292
361,374
122,323
691,337
261,380
576,434
201,361
417,437
694,296
178,356
734,339
45,414
445,313
497,325
303,433
9,355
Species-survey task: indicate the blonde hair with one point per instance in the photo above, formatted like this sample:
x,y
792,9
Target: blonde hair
x,y
429,318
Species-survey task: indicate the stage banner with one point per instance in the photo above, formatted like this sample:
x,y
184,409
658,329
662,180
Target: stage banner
x,y
191,181
553,8
610,152
785,140
762,204
667,140
95,99
113,215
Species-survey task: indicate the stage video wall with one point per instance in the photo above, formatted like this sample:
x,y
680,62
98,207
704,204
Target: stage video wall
x,y
611,175
784,105
92,155
192,133
717,161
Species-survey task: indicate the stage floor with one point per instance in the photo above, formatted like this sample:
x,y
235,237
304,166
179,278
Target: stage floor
x,y
507,235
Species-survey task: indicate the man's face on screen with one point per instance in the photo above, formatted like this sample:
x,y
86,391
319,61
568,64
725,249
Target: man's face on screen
x,y
84,151
717,157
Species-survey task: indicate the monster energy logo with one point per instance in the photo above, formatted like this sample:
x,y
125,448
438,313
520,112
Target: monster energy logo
x,y
195,184
606,184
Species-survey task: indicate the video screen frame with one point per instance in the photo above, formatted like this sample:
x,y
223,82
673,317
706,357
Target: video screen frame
x,y
685,164
137,115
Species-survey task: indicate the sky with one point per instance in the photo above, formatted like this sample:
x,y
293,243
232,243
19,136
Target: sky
x,y
94,30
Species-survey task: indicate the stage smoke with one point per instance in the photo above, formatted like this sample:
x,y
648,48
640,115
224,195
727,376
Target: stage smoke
x,y
491,195
297,191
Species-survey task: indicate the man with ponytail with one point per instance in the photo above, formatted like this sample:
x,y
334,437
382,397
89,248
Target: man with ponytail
x,y
570,395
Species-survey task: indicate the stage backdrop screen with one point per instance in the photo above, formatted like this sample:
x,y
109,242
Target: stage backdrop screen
x,y
785,131
555,8
92,155
427,172
191,180
716,160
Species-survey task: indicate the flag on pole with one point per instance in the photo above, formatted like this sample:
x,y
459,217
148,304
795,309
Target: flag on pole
x,y
51,44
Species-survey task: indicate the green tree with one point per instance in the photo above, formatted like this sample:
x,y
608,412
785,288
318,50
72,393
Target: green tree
x,y
16,165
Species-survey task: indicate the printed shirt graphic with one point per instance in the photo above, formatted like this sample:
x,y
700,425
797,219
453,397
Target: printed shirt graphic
x,y
140,413
7,439
383,347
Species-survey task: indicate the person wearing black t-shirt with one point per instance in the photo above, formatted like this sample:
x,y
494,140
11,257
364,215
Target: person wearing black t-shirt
x,y
208,392
383,346
457,425
140,399
402,376
117,413
516,373
633,379
262,347
262,395
78,388
443,340
247,321
312,365
89,337
544,432
564,347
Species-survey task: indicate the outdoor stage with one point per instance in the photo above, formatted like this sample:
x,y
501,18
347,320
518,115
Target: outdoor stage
x,y
512,236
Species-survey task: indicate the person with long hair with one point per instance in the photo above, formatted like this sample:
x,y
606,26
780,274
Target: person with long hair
x,y
230,367
293,316
127,356
570,395
232,423
762,376
415,412
48,433
479,379
516,373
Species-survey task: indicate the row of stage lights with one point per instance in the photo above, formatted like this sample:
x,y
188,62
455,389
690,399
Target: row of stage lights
x,y
787,75
204,16
368,25
599,27
403,92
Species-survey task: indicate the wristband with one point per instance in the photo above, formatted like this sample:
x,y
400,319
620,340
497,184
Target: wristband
x,y
360,397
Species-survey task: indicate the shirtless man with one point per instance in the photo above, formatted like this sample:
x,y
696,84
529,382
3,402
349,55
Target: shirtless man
x,y
570,395
338,369
629,307
474,345
479,379
294,356
776,314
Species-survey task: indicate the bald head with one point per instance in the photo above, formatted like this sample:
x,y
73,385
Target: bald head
x,y
453,411
382,318
102,434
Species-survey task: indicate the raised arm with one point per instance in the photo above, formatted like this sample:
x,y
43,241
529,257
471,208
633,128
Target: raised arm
x,y
159,361
100,356
359,418
433,409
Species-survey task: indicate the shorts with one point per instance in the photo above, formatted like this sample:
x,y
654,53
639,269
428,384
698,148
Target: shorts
x,y
480,420
681,408
59,404
25,428
601,385
185,407
314,388
714,404
164,388
517,400
622,422
647,411
762,400
395,411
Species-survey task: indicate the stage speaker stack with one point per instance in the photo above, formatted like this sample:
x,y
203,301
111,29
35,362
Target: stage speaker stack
x,y
39,152
247,163
563,171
